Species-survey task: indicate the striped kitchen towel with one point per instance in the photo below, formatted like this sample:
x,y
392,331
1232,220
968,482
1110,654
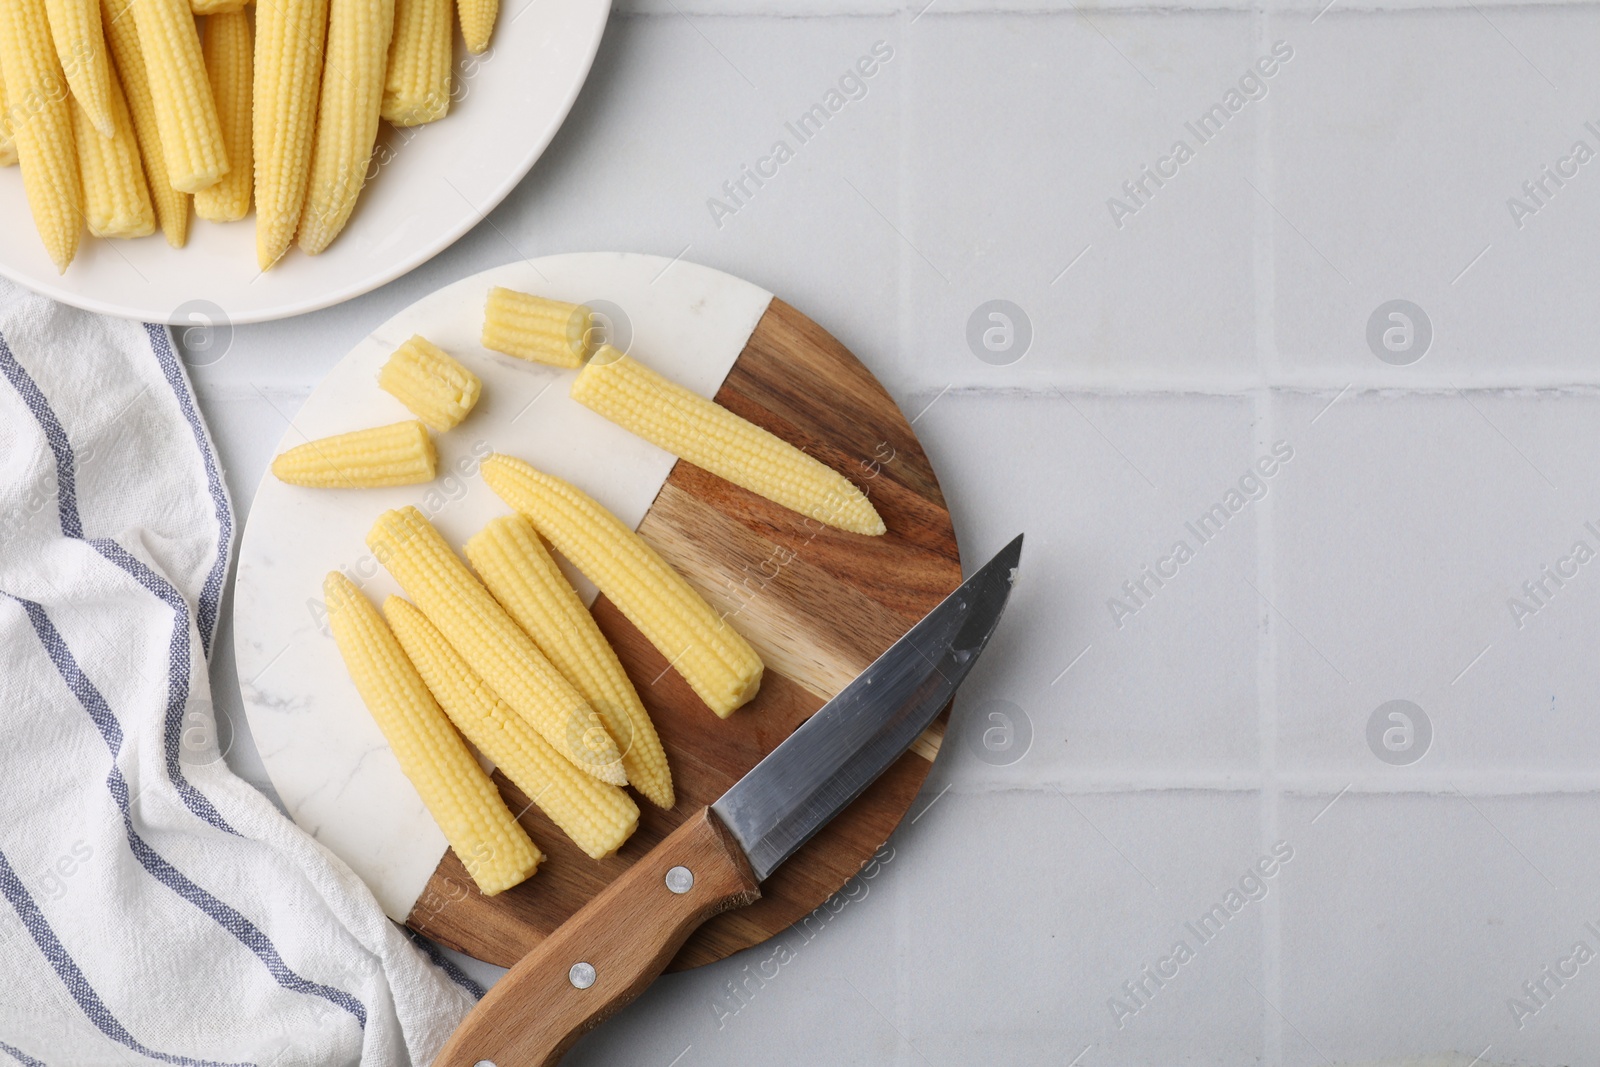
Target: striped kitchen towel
x,y
153,906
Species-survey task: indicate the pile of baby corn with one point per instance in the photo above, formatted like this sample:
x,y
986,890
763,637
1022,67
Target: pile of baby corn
x,y
120,112
499,650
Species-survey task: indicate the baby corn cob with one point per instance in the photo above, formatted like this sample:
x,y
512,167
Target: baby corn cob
x,y
514,564
116,201
288,74
81,47
230,55
477,22
716,662
710,436
172,207
8,147
41,126
423,377
505,657
461,798
191,134
531,327
597,817
347,123
417,84
216,7
399,454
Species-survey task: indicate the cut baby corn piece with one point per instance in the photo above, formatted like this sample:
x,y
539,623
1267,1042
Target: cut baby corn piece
x,y
710,436
514,564
423,377
399,454
41,125
216,7
116,200
531,327
461,798
230,58
506,658
717,663
8,147
288,75
347,124
191,134
172,207
597,817
81,47
417,84
477,22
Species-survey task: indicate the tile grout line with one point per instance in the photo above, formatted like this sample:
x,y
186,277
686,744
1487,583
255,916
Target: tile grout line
x,y
1269,368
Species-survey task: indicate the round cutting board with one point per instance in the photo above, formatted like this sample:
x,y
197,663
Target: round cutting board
x,y
818,604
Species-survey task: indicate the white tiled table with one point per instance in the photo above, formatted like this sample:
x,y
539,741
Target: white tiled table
x,y
1227,313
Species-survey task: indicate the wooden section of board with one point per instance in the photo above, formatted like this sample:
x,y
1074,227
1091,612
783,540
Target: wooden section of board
x,y
818,604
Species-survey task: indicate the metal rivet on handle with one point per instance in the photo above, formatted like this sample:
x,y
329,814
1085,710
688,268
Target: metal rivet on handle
x,y
581,976
485,1063
680,880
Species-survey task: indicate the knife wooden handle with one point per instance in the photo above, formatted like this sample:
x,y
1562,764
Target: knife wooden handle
x,y
626,935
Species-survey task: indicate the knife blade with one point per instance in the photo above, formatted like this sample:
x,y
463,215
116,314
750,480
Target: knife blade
x,y
607,953
853,738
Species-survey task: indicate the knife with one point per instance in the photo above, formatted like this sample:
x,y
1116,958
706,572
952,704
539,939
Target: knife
x,y
605,955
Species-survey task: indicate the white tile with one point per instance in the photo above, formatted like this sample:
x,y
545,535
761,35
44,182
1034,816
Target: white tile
x,y
1104,487
1021,129
1409,922
1393,182
922,9
1403,530
1022,914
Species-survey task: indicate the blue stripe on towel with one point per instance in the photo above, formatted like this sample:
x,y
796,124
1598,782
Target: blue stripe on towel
x,y
178,669
20,1056
211,593
224,916
66,490
178,665
445,964
82,992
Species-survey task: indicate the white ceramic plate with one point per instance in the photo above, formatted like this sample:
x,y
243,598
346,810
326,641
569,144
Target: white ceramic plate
x,y
433,184
324,754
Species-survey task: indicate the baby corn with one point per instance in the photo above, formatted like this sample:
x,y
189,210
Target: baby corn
x,y
596,816
288,74
423,377
347,123
216,7
230,56
116,201
531,327
81,47
400,454
172,207
716,662
417,84
477,23
461,798
710,436
8,147
41,125
505,657
514,564
191,134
